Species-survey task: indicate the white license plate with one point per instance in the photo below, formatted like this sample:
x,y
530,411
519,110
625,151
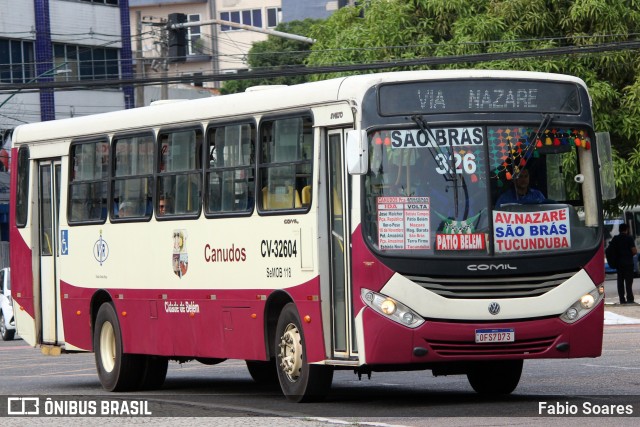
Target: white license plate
x,y
488,336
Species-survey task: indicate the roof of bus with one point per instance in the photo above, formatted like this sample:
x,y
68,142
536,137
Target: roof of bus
x,y
249,103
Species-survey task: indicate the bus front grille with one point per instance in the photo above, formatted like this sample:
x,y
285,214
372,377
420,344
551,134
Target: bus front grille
x,y
481,288
518,348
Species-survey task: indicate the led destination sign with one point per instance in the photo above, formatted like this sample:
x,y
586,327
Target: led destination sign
x,y
459,96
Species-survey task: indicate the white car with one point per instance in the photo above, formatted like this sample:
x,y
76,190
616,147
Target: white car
x,y
7,322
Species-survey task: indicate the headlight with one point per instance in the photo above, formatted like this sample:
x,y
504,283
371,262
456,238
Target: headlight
x,y
388,307
391,308
580,308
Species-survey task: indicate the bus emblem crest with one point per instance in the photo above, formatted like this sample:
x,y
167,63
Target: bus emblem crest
x,y
494,308
180,256
101,250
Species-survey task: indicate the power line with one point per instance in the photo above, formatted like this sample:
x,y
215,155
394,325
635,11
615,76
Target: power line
x,y
304,70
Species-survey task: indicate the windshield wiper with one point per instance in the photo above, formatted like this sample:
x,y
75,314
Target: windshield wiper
x,y
450,175
547,119
424,127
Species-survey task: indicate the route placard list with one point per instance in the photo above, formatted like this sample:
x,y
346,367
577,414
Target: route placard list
x,y
403,223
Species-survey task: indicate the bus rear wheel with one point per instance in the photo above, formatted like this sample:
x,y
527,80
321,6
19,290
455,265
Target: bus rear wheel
x,y
263,372
495,377
154,372
300,381
117,371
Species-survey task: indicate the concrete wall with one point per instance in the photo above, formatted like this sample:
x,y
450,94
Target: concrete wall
x,y
71,21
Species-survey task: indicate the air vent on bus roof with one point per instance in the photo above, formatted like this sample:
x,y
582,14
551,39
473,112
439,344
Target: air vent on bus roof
x,y
263,87
166,101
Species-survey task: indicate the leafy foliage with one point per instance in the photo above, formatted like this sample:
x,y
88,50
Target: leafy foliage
x,y
387,30
276,53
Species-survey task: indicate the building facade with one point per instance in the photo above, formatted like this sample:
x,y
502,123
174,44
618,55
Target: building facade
x,y
211,48
59,41
63,40
296,10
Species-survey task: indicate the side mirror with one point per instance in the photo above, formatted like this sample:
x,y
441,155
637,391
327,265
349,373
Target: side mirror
x,y
605,158
357,152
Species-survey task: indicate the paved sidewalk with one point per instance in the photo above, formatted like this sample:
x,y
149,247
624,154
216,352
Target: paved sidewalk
x,y
621,315
616,314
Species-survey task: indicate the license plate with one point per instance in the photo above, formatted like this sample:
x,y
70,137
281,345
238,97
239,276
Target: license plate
x,y
488,336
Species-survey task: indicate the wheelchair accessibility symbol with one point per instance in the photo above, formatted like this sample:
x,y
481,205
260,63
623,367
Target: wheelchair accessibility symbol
x,y
64,242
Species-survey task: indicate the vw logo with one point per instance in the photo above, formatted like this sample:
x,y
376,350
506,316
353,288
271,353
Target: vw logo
x,y
494,308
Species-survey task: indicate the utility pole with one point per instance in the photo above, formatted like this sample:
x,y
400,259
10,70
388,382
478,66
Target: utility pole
x,y
140,68
164,46
214,46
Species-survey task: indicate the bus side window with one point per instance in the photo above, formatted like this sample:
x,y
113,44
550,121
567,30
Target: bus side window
x,y
88,181
132,175
180,167
285,163
229,179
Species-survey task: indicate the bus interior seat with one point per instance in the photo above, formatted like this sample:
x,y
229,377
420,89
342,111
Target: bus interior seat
x,y
306,195
280,197
337,204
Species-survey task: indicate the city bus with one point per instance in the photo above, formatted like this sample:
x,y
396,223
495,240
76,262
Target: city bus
x,y
344,224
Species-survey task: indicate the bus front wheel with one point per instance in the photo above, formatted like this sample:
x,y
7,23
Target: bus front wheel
x,y
495,377
300,381
117,371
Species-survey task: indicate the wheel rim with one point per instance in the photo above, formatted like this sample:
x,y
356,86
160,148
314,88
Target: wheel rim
x,y
107,347
3,329
291,352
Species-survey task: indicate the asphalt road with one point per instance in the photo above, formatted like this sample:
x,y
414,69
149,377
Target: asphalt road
x,y
225,395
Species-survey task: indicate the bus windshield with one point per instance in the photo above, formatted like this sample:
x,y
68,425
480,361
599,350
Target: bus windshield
x,y
477,190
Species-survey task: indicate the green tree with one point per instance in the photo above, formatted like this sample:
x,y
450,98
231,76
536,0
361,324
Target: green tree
x,y
277,54
388,30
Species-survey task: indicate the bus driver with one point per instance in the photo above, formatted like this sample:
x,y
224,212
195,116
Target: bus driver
x,y
521,192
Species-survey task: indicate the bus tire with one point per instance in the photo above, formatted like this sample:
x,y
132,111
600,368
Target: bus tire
x,y
117,371
299,381
7,335
263,372
154,372
495,377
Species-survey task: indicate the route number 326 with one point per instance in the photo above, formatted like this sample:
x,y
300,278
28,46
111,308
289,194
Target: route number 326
x,y
463,163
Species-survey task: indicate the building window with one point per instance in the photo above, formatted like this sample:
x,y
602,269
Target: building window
x,y
180,171
194,37
85,63
285,163
132,177
88,181
17,62
113,2
230,174
274,16
251,17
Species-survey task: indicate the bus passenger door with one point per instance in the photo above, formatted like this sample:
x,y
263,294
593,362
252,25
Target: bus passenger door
x,y
340,248
49,209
